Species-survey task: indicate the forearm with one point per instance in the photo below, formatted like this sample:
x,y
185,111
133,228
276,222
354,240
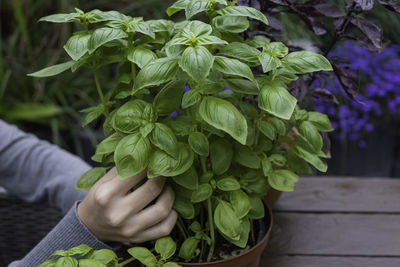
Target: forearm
x,y
34,170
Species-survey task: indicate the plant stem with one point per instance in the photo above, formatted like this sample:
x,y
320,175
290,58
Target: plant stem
x,y
212,234
181,227
100,92
252,232
202,241
127,261
203,164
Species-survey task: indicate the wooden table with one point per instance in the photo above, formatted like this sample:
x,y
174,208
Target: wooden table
x,y
337,222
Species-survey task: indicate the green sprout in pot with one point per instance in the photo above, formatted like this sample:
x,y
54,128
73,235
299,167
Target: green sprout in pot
x,y
187,105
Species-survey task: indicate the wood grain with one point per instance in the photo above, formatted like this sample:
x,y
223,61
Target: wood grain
x,y
338,194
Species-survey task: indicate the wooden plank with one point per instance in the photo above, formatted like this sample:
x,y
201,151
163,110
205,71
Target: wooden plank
x,y
318,261
334,194
335,234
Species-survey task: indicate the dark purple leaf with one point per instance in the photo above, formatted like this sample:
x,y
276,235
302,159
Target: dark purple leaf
x,y
392,5
365,42
370,29
339,60
275,23
365,4
349,79
320,8
279,2
324,94
316,26
326,148
299,88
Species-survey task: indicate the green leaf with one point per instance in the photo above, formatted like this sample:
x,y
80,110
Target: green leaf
x,y
310,157
48,263
104,35
275,99
77,45
257,208
169,98
53,70
188,179
233,67
279,125
166,247
242,86
226,220
224,116
276,49
33,111
66,262
80,250
259,41
170,264
301,62
89,178
277,159
210,40
91,263
132,155
241,51
244,234
147,129
282,180
246,157
243,11
140,55
221,154
240,203
266,166
197,62
92,114
109,144
132,115
163,138
196,28
163,164
199,143
61,18
190,98
177,6
188,248
195,7
268,62
320,120
267,129
311,134
144,256
203,192
157,72
228,184
141,27
184,207
104,256
231,24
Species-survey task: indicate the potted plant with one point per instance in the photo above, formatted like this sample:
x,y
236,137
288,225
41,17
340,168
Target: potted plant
x,y
186,105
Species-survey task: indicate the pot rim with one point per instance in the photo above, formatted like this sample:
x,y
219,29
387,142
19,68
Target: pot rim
x,y
266,236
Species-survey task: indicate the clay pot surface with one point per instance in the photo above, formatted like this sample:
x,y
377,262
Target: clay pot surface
x,y
250,258
272,196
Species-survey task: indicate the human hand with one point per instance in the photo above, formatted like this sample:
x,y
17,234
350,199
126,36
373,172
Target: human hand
x,y
113,213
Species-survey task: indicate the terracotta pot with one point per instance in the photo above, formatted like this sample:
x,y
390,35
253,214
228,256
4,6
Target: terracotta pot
x,y
250,258
272,196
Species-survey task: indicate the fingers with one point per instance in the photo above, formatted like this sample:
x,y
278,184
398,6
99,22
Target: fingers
x,y
117,186
151,215
146,193
161,229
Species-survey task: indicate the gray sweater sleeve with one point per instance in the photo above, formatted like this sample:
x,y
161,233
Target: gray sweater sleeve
x,y
36,170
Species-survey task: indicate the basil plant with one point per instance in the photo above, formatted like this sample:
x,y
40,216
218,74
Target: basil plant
x,y
186,104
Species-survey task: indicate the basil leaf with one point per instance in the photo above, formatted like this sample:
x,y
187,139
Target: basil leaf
x,y
61,18
147,129
77,45
259,41
189,179
177,6
221,154
197,62
301,62
163,164
132,155
310,157
89,178
144,256
320,120
228,184
244,234
210,40
195,7
92,114
246,157
141,27
203,192
279,125
243,11
311,134
224,116
90,263
199,143
169,98
166,247
188,248
269,62
242,86
157,72
275,99
163,138
257,208
66,262
103,255
190,98
109,144
282,180
231,24
267,129
52,70
242,51
240,203
266,166
170,264
233,67
196,28
140,55
132,115
226,220
79,251
104,35
184,207
48,263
